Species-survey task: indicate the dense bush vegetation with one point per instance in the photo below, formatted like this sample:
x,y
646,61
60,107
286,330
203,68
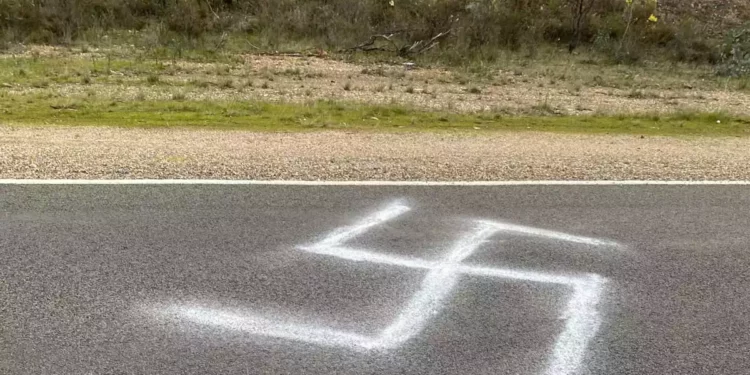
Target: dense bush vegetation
x,y
736,53
477,26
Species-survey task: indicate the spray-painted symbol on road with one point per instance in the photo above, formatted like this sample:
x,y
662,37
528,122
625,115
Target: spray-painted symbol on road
x,y
582,320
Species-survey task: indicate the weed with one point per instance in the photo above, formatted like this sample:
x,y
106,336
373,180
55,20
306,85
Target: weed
x,y
296,72
199,83
378,71
227,84
399,74
314,75
544,108
639,94
40,84
222,70
636,94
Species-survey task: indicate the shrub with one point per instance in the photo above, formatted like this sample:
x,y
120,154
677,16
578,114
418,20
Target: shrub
x,y
688,43
735,56
226,84
478,27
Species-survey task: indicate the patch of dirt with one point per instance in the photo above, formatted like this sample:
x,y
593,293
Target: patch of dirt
x,y
300,80
509,91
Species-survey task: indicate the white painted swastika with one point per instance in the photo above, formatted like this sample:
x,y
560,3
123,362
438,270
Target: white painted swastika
x,y
582,319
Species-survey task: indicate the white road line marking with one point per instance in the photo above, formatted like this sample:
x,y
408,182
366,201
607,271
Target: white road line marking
x,y
368,183
581,315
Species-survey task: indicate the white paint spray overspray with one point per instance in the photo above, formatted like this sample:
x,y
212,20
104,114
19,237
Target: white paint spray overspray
x,y
582,319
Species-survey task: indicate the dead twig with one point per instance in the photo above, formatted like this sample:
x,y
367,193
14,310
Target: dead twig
x,y
422,46
370,43
415,48
216,15
582,9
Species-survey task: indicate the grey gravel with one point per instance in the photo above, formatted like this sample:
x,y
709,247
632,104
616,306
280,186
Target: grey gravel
x,y
117,153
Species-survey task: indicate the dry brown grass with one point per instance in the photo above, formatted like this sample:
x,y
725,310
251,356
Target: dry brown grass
x,y
716,15
575,85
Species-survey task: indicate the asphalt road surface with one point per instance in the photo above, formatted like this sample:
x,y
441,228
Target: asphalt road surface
x,y
374,280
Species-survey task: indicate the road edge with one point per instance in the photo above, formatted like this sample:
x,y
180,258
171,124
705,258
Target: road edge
x,y
365,182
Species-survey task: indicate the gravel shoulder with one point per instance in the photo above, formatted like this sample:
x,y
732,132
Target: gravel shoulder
x,y
116,153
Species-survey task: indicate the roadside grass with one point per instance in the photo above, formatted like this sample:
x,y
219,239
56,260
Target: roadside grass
x,y
24,71
586,67
112,88
555,67
320,115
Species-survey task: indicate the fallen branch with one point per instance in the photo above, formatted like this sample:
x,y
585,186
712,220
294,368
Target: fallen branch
x,y
369,44
417,47
421,46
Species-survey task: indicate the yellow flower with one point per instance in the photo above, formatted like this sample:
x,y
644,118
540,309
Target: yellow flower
x,y
629,2
652,18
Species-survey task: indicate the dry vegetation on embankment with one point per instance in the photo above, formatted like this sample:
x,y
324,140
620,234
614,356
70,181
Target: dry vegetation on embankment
x,y
46,85
136,63
446,132
479,64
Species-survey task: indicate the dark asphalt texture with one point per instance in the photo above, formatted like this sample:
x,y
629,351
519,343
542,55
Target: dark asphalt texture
x,y
79,265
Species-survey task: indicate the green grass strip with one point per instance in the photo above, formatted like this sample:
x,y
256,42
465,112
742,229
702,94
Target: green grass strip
x,y
259,116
